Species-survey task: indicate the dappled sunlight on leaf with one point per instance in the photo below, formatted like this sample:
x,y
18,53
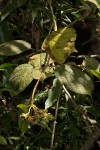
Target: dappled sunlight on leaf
x,y
60,44
14,47
75,80
21,77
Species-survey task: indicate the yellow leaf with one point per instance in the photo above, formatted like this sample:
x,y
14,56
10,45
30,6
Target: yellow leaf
x,y
60,44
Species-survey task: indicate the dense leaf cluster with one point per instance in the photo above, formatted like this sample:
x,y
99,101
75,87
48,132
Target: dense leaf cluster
x,y
49,92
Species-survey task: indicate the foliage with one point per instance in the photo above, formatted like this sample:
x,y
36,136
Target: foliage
x,y
74,79
60,44
49,97
14,47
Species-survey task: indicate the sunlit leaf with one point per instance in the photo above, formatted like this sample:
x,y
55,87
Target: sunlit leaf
x,y
23,107
96,73
48,72
53,93
96,2
91,64
39,59
74,79
38,62
14,138
21,77
45,74
60,44
92,121
14,47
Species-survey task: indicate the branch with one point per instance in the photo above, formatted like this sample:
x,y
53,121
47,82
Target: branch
x,y
37,83
82,112
53,16
55,122
85,56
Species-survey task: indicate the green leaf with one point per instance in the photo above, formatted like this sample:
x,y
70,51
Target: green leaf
x,y
4,65
74,79
14,47
23,107
41,95
91,64
96,73
34,14
21,77
47,73
96,2
53,93
39,59
23,125
3,140
14,138
85,4
10,7
60,44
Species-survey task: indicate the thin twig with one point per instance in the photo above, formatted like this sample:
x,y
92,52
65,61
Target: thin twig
x,y
55,29
57,105
55,121
35,88
37,83
77,20
84,115
85,56
53,16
